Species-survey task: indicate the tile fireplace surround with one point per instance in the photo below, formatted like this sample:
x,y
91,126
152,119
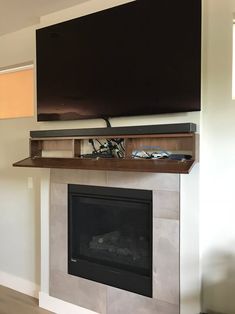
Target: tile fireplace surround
x,y
101,298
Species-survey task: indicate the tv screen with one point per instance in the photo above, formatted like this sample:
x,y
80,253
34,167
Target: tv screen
x,y
139,58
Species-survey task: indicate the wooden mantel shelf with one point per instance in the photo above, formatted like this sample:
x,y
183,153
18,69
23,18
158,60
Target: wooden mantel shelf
x,y
73,144
161,166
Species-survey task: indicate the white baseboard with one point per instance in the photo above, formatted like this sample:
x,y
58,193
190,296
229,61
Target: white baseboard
x,y
19,284
60,307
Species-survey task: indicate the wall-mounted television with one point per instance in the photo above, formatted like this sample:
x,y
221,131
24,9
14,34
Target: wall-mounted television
x,y
138,58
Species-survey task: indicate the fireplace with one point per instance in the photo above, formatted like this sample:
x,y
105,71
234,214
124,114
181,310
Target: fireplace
x,y
110,236
161,229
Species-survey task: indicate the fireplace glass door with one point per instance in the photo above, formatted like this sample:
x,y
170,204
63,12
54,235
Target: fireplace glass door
x,y
110,236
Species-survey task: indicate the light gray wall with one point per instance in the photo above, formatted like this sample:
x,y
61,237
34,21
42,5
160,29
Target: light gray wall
x,y
217,208
19,204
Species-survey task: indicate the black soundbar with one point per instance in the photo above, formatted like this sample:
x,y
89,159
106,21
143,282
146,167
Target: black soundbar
x,y
113,131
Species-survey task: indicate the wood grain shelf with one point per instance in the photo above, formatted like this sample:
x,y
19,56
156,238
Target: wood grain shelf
x,y
65,152
134,165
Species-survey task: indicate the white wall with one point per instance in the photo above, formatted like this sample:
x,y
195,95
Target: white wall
x,y
19,205
19,208
217,210
19,47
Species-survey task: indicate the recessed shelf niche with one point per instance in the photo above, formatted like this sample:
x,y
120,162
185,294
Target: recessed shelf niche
x,y
63,148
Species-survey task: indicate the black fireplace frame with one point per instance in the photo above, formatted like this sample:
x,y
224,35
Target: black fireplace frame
x,y
130,281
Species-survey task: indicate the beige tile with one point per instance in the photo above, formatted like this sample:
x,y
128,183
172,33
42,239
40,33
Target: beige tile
x,y
92,295
58,194
166,260
78,291
58,251
63,286
166,204
58,227
141,180
124,302
146,181
88,177
58,247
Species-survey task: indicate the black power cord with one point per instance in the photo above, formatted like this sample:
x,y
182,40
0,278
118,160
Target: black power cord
x,y
112,148
108,124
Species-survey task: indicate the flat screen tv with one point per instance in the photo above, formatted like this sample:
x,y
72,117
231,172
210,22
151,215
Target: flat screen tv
x,y
138,58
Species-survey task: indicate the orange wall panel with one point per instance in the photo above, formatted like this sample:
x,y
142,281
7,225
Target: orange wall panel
x,y
17,94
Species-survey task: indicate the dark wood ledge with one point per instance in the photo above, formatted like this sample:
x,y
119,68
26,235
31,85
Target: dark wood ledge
x,y
134,165
65,149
